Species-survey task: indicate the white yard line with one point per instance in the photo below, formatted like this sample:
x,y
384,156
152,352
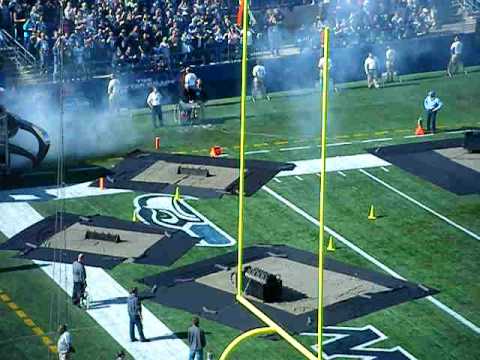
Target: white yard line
x,y
298,178
425,207
257,152
109,308
338,144
385,169
376,140
295,148
417,136
342,173
370,258
277,180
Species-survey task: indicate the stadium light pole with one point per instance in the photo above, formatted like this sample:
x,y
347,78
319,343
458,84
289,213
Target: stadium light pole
x,y
323,173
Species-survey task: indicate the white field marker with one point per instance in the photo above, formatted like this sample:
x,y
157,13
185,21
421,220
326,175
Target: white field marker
x,y
295,148
277,180
385,169
298,178
370,258
425,207
342,173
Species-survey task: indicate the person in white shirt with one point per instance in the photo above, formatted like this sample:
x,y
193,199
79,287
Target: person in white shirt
x,y
113,93
64,344
154,102
259,89
190,84
371,68
321,66
432,104
455,63
390,57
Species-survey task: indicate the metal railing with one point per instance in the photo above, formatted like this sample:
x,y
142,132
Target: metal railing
x,y
4,154
468,6
20,56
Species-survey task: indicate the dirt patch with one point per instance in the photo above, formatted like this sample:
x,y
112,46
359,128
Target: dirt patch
x,y
219,178
462,157
301,279
132,245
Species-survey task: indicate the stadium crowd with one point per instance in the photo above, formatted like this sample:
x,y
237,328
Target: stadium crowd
x,y
160,33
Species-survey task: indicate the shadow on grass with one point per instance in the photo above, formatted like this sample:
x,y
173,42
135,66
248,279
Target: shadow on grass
x,y
21,267
176,335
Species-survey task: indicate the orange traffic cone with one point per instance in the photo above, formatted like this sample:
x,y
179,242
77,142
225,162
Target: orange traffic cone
x,y
419,130
216,151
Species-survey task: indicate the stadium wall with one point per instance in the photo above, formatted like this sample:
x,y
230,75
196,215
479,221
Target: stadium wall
x,y
284,73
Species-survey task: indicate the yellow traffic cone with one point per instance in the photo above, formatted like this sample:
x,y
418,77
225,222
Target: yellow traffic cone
x,y
176,197
134,216
331,245
371,213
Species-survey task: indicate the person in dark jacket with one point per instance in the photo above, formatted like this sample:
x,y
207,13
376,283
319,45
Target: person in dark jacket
x,y
79,280
196,340
135,315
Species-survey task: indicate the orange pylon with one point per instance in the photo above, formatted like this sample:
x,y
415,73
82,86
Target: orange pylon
x,y
419,130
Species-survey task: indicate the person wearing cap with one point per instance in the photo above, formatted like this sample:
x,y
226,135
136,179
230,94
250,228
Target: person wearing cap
x,y
134,307
432,104
79,280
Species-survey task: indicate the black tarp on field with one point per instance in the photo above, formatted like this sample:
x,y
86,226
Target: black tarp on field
x,y
179,289
164,252
258,173
420,159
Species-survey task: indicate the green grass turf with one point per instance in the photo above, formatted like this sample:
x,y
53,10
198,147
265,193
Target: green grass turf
x,y
409,240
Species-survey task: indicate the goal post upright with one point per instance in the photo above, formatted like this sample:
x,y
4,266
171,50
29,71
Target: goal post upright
x,y
272,326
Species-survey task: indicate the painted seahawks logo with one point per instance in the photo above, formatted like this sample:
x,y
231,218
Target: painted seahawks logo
x,y
358,343
164,210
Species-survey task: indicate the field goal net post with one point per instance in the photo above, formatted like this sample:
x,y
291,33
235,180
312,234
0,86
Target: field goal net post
x,y
271,326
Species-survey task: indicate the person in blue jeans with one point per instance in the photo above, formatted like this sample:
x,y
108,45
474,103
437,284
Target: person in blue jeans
x,y
196,340
135,315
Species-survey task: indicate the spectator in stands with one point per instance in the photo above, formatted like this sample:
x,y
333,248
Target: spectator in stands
x,y
432,105
79,276
371,70
196,340
64,344
455,63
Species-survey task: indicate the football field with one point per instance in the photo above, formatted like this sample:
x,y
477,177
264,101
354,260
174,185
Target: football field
x,y
423,233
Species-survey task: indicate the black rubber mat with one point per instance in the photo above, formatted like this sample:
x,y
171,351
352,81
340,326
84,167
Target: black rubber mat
x,y
164,252
258,173
178,289
420,159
